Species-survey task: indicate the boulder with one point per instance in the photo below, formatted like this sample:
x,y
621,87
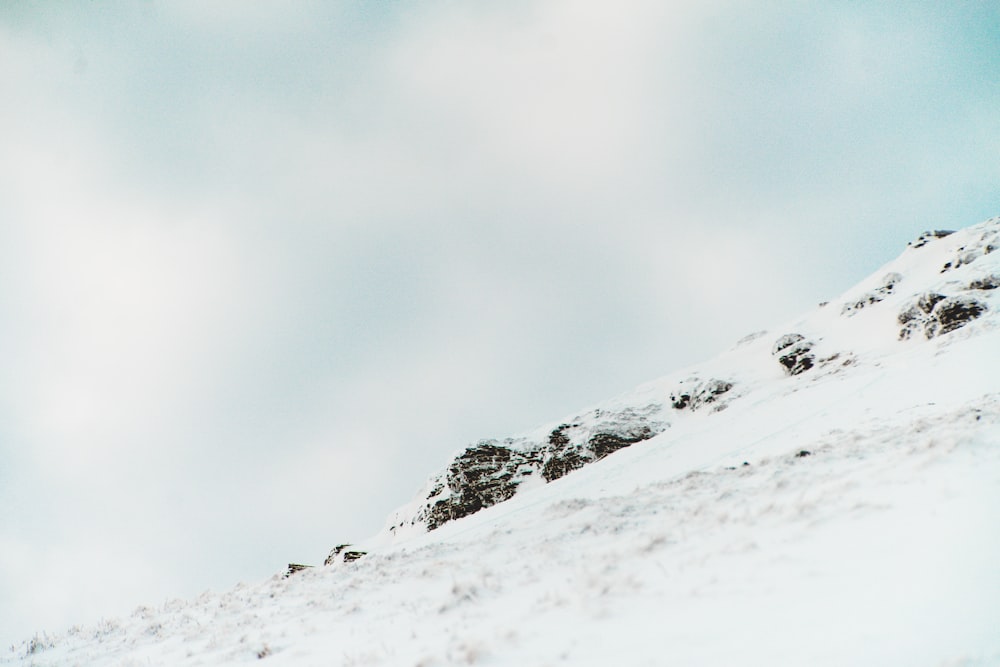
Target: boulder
x,y
794,353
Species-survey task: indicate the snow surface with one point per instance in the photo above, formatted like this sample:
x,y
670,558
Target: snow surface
x,y
847,515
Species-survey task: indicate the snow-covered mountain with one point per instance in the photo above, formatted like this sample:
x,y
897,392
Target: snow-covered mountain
x,y
827,492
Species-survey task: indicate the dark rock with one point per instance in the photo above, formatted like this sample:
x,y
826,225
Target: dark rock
x,y
616,431
927,301
333,557
295,567
561,462
935,314
341,554
927,237
889,283
603,444
589,439
491,471
481,476
986,283
803,453
558,437
794,353
955,312
694,393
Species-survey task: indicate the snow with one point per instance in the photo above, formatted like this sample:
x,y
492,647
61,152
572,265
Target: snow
x,y
847,515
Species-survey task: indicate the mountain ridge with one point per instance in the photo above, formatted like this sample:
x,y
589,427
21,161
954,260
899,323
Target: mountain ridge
x,y
493,470
826,492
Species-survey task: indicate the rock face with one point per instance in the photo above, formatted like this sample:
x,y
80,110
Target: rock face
x,y
482,476
491,471
573,445
935,314
794,353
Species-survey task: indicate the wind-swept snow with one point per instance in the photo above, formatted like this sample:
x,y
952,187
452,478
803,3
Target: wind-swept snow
x,y
844,513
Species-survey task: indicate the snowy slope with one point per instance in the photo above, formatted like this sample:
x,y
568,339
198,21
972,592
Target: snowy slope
x,y
824,493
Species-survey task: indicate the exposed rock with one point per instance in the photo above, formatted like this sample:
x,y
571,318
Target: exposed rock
x,y
603,444
803,453
955,312
985,283
794,353
572,446
341,554
558,437
482,476
935,314
295,567
695,393
927,237
889,283
566,460
491,471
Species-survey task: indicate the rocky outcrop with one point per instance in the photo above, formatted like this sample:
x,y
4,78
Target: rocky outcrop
x,y
482,476
342,553
927,237
889,283
935,314
694,393
491,471
573,445
794,353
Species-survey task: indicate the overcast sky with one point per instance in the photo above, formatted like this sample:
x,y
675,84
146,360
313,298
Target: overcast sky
x,y
265,266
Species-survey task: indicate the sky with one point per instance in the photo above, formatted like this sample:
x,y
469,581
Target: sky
x,y
265,266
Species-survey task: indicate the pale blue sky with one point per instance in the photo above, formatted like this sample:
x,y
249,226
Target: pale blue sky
x,y
264,266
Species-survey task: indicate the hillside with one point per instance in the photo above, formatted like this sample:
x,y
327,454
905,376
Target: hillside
x,y
826,492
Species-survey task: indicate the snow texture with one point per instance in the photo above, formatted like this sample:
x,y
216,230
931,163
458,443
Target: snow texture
x,y
840,510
